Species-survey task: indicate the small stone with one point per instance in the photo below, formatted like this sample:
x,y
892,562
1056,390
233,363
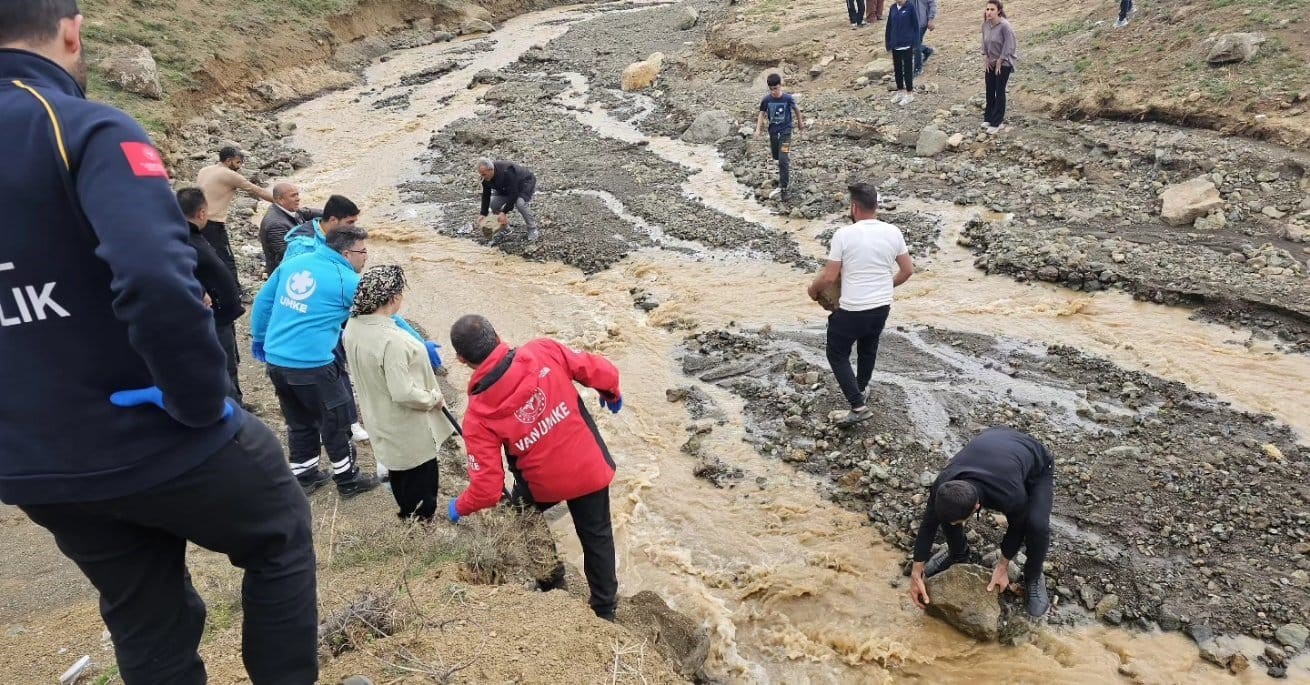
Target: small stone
x,y
1292,635
1272,212
1108,603
687,18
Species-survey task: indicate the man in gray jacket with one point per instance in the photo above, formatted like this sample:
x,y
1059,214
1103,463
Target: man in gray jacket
x,y
927,11
285,214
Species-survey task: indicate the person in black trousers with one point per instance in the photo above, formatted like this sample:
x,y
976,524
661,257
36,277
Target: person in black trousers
x,y
1001,470
116,432
1000,52
902,41
220,285
855,11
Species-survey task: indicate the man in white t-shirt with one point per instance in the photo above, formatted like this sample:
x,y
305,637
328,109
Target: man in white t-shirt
x,y
871,259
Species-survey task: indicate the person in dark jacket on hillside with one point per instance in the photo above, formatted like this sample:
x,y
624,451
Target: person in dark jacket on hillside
x,y
1002,470
283,215
220,285
505,186
523,401
902,41
116,433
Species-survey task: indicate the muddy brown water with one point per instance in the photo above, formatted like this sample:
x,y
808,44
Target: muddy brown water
x,y
794,588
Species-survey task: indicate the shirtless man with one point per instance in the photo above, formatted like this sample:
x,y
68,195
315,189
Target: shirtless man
x,y
220,183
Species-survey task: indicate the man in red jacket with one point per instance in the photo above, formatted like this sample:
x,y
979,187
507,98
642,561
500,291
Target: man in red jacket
x,y
522,401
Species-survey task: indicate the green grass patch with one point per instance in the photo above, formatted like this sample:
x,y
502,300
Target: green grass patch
x,y
109,676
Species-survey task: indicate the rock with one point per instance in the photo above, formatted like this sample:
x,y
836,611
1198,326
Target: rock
x,y
1123,452
877,69
132,68
1234,47
1108,607
829,298
641,75
1238,663
486,76
1292,635
443,37
1272,212
475,26
677,637
932,142
1048,273
816,71
708,127
1211,222
687,17
1185,202
955,141
960,597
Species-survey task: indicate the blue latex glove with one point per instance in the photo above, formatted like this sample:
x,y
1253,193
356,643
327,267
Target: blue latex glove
x,y
153,395
450,511
611,402
257,351
433,355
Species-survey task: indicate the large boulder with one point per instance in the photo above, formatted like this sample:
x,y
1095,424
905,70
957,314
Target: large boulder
x,y
681,640
475,26
708,127
1234,47
133,69
687,17
932,141
959,596
1186,202
641,75
877,69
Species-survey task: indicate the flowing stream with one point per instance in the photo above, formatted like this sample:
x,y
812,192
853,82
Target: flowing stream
x,y
794,588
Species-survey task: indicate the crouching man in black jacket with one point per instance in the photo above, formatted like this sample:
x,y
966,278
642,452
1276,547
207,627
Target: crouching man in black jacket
x,y
116,433
1001,470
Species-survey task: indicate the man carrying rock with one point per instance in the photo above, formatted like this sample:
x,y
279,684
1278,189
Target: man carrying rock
x,y
219,284
220,183
869,258
116,433
296,328
779,110
507,185
522,401
1000,470
284,215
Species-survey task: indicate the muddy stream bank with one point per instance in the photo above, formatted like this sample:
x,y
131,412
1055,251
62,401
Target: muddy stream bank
x,y
795,587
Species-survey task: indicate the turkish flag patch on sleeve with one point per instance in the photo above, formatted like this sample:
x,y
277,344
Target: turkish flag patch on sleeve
x,y
144,159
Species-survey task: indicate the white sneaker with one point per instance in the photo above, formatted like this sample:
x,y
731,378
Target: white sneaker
x,y
1121,23
357,432
909,97
896,99
991,130
854,26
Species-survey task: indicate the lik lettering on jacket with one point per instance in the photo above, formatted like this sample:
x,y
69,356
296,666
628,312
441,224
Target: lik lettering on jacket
x,y
29,303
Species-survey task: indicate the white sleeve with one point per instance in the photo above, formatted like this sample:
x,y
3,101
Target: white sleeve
x,y
900,244
836,248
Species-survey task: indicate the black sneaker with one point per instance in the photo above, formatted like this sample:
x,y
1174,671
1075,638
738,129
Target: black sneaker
x,y
608,616
358,486
310,484
500,236
943,560
1038,601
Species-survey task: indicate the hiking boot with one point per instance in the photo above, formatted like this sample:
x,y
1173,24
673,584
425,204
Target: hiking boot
x,y
534,234
312,483
1038,601
943,560
359,485
854,417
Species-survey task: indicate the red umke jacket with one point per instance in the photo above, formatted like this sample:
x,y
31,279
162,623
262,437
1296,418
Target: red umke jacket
x,y
523,403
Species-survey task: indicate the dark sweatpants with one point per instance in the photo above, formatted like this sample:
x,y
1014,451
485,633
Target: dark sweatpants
x,y
903,64
316,406
415,490
855,11
1125,6
860,330
227,338
994,115
242,502
591,521
780,148
216,233
1036,523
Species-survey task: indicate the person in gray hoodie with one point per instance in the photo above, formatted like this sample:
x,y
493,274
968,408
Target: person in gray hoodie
x,y
1000,52
927,13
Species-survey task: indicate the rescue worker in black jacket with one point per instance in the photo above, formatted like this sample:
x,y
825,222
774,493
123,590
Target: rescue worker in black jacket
x,y
506,186
116,433
1001,470
220,285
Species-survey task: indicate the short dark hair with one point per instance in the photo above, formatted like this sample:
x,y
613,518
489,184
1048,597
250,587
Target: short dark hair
x,y
773,80
345,238
865,195
338,207
955,500
474,338
230,152
33,21
191,200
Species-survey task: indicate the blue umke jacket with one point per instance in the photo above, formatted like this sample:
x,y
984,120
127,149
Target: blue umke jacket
x,y
303,239
98,294
299,312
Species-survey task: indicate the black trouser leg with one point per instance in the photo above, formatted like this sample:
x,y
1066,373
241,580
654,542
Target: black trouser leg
x,y
855,10
303,425
1037,523
415,490
227,337
591,521
957,544
841,337
902,65
242,502
989,79
866,347
215,234
1000,81
780,145
1124,7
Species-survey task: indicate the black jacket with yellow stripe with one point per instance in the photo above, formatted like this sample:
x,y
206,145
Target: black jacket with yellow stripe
x,y
97,294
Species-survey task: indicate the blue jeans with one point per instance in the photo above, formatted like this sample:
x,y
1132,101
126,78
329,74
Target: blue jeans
x,y
923,52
